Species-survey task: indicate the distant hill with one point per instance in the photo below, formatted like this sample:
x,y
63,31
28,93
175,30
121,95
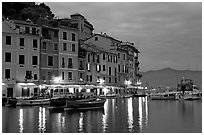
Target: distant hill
x,y
170,77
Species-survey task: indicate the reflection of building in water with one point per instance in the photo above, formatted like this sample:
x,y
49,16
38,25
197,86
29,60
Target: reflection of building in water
x,y
143,112
42,120
21,121
130,115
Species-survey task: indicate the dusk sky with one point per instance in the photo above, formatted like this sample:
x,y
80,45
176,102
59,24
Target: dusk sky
x,y
167,34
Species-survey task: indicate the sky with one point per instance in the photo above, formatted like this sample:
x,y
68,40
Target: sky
x,y
166,34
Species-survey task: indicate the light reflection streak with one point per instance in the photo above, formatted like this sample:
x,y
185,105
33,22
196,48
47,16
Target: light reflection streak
x,y
105,117
140,113
81,122
21,120
41,120
130,115
146,111
143,112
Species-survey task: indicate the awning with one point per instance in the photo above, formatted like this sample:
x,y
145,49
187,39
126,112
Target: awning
x,y
27,84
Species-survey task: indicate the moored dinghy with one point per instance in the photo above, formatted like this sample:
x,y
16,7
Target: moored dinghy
x,y
81,105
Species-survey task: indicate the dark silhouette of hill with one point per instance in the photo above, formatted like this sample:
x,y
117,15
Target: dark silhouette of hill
x,y
170,77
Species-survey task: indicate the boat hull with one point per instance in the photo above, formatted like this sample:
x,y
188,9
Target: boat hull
x,y
79,105
27,102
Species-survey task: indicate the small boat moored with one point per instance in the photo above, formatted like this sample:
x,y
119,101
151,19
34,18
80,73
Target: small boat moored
x,y
82,105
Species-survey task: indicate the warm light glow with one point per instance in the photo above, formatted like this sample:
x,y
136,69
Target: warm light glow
x,y
140,113
21,120
56,79
41,120
130,115
81,122
128,82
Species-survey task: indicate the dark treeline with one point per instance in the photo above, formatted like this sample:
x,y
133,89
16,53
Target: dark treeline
x,y
26,10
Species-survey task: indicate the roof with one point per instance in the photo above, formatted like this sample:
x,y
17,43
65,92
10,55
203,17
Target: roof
x,y
24,22
94,48
6,27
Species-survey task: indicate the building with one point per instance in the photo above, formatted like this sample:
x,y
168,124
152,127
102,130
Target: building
x,y
85,29
68,53
49,53
127,58
20,63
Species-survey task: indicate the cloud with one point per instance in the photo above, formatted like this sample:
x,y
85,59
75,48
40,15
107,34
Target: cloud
x,y
166,33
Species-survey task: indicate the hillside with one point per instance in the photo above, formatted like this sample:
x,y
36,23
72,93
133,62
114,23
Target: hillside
x,y
170,77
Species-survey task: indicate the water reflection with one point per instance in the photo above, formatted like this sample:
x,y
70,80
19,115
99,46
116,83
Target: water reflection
x,y
143,112
119,115
21,120
130,115
41,120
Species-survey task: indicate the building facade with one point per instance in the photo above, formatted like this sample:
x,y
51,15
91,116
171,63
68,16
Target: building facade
x,y
20,65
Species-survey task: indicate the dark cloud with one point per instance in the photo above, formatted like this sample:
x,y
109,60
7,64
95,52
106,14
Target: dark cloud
x,y
167,34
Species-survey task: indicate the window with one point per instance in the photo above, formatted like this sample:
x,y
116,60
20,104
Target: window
x,y
21,41
119,68
49,74
115,71
35,43
44,47
21,59
62,75
81,75
70,63
98,58
65,35
55,47
96,38
34,31
73,37
119,55
35,60
124,56
104,67
93,57
28,74
8,40
98,68
109,70
7,73
55,33
109,79
111,58
50,60
63,64
69,75
88,67
7,57
87,78
27,30
73,47
80,65
35,77
90,78
104,56
104,78
88,57
115,80
64,46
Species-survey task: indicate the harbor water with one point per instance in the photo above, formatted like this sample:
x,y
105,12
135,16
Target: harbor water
x,y
119,115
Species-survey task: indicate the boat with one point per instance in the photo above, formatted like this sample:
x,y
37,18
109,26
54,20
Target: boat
x,y
11,102
126,96
112,95
189,91
162,96
190,95
33,101
60,103
81,105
